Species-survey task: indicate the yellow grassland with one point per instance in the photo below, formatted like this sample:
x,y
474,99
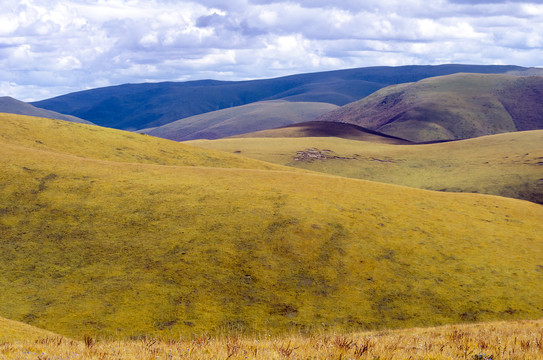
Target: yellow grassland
x,y
117,249
94,142
506,164
495,340
15,331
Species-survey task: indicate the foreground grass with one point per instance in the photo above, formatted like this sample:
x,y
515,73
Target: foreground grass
x,y
506,164
485,341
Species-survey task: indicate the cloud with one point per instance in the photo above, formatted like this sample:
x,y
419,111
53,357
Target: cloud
x,y
51,47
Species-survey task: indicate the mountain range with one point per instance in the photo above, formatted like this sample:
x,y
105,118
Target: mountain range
x,y
140,106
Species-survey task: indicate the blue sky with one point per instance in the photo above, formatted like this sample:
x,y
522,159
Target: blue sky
x,y
52,47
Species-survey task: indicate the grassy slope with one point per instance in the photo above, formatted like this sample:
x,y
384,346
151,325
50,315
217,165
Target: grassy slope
x,y
241,119
108,144
505,164
17,331
89,246
449,107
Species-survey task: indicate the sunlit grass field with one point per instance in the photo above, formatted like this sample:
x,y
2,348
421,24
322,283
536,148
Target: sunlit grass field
x,y
90,246
93,142
506,164
495,340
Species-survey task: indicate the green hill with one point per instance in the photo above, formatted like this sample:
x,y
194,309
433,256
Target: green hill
x,y
240,119
450,107
91,245
505,164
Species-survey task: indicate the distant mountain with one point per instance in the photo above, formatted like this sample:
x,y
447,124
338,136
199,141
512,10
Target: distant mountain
x,y
140,106
458,106
325,129
13,106
240,119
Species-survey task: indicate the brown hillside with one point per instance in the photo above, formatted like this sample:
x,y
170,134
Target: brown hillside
x,y
449,107
325,129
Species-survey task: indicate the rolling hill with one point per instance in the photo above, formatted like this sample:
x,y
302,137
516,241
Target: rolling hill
x,y
458,106
14,106
508,164
93,142
140,106
240,119
125,244
324,129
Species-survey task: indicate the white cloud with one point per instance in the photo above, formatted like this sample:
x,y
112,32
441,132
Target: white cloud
x,y
50,47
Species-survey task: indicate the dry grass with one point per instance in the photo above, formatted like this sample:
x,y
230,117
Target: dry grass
x,y
93,142
118,249
506,164
485,341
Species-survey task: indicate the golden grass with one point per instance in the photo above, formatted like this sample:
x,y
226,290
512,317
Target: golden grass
x,y
506,164
496,340
94,142
17,331
123,249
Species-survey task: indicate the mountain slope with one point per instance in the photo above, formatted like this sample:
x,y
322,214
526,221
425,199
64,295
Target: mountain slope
x,y
140,106
506,164
324,129
13,106
240,119
128,249
450,107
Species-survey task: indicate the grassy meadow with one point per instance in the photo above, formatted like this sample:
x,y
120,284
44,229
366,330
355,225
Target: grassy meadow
x,y
93,142
167,240
508,164
495,340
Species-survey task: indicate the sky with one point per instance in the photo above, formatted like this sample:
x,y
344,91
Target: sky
x,y
54,47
